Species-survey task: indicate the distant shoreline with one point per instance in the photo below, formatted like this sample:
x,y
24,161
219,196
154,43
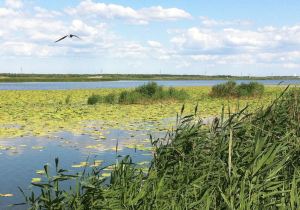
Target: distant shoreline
x,y
6,77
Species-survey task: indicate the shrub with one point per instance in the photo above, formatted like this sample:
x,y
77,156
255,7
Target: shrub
x,y
149,89
129,97
142,94
178,94
111,98
93,99
68,99
231,89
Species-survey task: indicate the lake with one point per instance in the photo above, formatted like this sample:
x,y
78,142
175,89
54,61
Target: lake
x,y
124,84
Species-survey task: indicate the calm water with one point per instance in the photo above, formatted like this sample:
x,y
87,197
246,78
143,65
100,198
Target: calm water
x,y
28,154
122,84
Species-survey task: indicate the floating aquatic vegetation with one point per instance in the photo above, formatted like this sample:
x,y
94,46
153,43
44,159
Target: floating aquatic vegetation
x,y
109,168
35,180
40,112
38,147
96,146
7,147
6,195
96,163
40,172
105,174
23,145
80,165
143,163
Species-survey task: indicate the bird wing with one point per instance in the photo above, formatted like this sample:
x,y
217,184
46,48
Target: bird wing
x,y
75,36
61,38
280,82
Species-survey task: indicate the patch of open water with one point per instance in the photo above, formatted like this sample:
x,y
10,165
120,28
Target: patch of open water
x,y
20,158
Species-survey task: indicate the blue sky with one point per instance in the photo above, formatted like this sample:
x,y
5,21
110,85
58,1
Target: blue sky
x,y
258,37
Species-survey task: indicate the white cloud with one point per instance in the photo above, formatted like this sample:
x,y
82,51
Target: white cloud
x,y
114,11
214,43
19,48
15,4
267,46
154,44
291,66
237,40
198,39
208,22
44,13
159,13
5,12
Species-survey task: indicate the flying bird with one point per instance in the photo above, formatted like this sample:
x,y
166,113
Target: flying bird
x,y
280,82
69,35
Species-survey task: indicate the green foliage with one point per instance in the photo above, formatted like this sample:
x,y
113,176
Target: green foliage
x,y
93,99
143,94
111,98
130,97
68,99
242,161
149,89
251,89
231,89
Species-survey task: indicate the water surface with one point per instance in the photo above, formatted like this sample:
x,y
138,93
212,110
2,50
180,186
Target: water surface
x,y
21,157
124,84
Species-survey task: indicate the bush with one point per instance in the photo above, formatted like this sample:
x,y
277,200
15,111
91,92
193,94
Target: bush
x,y
93,99
149,89
231,89
142,94
111,98
130,97
68,99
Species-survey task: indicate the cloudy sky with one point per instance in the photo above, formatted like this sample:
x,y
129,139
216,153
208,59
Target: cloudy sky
x,y
253,37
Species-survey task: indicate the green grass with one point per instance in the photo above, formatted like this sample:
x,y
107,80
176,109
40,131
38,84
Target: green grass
x,y
147,93
244,160
231,89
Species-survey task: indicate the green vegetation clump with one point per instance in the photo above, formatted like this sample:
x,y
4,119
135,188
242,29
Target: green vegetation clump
x,y
146,93
231,89
243,161
93,99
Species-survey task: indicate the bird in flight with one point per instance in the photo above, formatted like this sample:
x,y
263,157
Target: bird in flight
x,y
69,35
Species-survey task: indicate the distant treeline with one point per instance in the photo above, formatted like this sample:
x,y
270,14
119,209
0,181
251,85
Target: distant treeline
x,y
10,77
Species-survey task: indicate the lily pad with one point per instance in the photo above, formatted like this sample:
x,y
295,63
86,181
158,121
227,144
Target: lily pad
x,y
6,195
35,180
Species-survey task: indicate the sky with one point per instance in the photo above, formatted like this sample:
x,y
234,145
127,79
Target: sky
x,y
224,37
